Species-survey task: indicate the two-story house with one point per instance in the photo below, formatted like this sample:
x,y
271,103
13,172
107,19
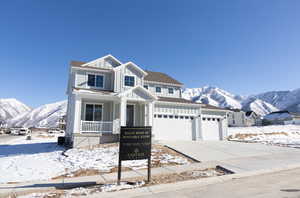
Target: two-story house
x,y
105,94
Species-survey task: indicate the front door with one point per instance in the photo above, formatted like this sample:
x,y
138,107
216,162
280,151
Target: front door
x,y
129,115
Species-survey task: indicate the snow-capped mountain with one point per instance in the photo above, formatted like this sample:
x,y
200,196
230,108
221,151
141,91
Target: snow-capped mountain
x,y
11,107
43,116
282,99
213,96
221,98
258,106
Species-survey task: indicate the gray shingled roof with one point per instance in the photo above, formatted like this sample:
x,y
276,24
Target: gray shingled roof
x,y
160,77
207,106
178,100
151,75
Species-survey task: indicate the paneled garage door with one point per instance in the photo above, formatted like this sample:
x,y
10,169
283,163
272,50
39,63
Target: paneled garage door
x,y
211,128
173,127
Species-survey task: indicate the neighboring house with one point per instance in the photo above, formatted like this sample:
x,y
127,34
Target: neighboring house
x,y
236,118
282,117
105,94
252,119
62,122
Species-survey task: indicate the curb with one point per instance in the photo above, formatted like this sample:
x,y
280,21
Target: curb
x,y
164,187
150,190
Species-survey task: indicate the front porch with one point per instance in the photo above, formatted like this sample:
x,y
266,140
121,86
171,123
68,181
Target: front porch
x,y
103,116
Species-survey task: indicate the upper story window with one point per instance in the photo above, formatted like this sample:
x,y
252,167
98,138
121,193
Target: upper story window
x,y
170,90
158,89
95,80
146,86
129,81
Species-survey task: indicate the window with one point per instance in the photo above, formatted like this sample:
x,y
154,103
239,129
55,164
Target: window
x,y
93,112
165,116
171,90
95,80
181,117
146,86
213,119
176,117
170,116
203,119
129,81
159,116
158,89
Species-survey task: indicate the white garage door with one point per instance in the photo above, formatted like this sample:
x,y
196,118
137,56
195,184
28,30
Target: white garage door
x,y
210,128
173,127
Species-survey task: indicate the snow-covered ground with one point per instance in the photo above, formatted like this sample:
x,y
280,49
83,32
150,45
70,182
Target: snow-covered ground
x,y
41,159
282,135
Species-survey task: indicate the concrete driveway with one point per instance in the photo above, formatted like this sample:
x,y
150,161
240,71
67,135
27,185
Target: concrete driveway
x,y
236,156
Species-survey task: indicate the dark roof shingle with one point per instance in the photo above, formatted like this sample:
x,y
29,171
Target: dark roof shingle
x,y
178,100
160,77
207,106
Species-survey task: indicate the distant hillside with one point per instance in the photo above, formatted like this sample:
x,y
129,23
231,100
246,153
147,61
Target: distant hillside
x,y
10,108
262,104
43,116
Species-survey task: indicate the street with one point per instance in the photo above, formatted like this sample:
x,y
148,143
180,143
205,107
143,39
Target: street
x,y
6,138
274,185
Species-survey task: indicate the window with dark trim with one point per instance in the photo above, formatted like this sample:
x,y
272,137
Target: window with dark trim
x,y
95,80
129,81
159,115
93,112
146,87
158,89
165,116
176,117
170,116
171,90
203,119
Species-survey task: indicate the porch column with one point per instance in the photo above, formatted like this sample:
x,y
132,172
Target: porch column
x,y
123,111
150,113
77,115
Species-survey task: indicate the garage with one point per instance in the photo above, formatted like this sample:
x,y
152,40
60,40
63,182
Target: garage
x,y
211,128
173,127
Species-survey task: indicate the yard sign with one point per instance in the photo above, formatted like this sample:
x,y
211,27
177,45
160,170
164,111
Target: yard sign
x,y
135,144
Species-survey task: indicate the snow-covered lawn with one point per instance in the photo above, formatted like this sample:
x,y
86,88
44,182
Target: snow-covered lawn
x,y
41,159
282,135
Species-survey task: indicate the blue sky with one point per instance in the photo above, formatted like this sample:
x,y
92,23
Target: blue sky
x,y
245,47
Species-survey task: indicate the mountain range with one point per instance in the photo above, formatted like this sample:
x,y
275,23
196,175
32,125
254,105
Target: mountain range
x,y
15,113
262,104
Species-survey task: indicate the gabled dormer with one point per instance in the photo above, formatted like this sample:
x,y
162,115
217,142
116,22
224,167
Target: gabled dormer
x,y
127,76
105,62
96,74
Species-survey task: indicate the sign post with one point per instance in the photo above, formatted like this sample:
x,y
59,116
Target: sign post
x,y
135,144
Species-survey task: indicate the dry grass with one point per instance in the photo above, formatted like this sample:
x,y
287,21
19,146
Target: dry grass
x,y
155,162
243,136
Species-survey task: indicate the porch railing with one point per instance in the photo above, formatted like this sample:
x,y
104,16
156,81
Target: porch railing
x,y
100,126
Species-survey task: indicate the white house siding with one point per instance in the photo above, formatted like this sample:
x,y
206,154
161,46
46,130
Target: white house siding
x,y
131,71
105,63
176,109
82,77
164,90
